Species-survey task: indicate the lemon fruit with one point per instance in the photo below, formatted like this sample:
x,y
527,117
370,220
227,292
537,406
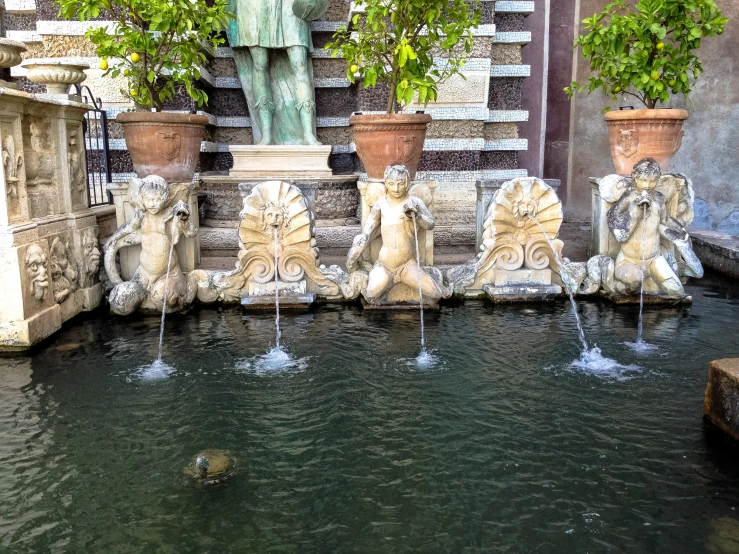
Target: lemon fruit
x,y
655,75
660,45
103,64
135,57
134,93
672,82
354,68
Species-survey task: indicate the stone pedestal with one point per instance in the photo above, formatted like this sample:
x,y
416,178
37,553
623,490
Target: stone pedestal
x,y
188,249
722,396
49,255
523,285
280,161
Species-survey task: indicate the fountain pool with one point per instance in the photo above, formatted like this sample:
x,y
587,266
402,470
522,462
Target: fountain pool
x,y
503,445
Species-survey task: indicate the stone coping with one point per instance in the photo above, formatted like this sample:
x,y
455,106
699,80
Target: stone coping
x,y
716,250
44,99
212,178
75,62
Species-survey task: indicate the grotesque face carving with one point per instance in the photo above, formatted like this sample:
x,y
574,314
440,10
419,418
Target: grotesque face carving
x,y
90,254
524,205
63,275
36,271
274,215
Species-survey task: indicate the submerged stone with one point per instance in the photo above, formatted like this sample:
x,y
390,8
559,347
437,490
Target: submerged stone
x,y
211,467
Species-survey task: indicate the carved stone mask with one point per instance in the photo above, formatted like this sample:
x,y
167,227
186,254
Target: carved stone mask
x,y
91,253
36,271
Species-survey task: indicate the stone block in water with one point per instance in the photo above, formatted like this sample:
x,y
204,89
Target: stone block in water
x,y
722,396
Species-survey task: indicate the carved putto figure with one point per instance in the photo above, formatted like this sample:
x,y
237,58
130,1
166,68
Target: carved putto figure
x,y
275,219
63,274
519,245
157,226
76,161
396,265
647,218
12,161
35,261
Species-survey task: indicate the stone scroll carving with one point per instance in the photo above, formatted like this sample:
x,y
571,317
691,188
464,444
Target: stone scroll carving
x,y
274,207
520,252
161,219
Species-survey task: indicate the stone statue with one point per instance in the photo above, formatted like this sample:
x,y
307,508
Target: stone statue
x,y
646,216
157,226
63,274
520,251
396,266
271,41
35,261
275,219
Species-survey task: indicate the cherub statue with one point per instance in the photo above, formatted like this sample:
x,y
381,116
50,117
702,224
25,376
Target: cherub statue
x,y
397,262
157,226
639,221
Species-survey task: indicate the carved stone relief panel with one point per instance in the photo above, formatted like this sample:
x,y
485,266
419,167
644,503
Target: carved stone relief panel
x,y
13,183
76,165
41,163
63,268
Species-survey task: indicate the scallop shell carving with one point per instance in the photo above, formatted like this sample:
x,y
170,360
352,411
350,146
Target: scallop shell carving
x,y
280,204
518,205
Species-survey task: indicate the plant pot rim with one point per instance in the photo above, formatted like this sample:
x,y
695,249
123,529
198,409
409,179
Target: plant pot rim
x,y
657,113
393,118
161,117
56,62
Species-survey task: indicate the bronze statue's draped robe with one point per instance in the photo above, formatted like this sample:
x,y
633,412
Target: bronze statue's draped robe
x,y
270,24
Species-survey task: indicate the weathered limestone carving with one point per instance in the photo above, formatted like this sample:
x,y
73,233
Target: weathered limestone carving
x,y
40,159
274,207
63,274
38,282
271,42
646,216
394,272
12,162
76,161
157,226
520,251
90,262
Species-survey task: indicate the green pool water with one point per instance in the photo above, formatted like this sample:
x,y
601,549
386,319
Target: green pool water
x,y
502,445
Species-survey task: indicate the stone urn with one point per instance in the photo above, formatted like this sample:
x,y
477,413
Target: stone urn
x,y
58,74
10,52
387,139
638,134
163,143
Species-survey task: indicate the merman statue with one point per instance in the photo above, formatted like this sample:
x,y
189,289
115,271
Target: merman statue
x,y
397,262
156,226
639,220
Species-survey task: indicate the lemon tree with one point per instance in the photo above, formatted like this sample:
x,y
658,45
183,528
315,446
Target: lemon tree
x,y
157,45
393,42
646,49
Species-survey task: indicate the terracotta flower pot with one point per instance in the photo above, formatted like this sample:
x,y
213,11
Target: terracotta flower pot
x,y
163,143
639,134
388,139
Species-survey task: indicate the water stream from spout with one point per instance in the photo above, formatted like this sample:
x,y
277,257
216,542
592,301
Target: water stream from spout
x,y
591,359
420,288
277,291
569,288
639,345
164,302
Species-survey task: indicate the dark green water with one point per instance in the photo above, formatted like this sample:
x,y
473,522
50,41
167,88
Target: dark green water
x,y
503,447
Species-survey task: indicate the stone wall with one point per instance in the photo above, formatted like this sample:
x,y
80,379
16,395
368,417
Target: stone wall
x,y
474,134
709,150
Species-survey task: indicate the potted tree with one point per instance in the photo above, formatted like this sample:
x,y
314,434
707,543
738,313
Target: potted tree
x,y
647,51
393,43
158,46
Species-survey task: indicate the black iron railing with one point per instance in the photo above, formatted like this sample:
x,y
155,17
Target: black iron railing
x,y
97,149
